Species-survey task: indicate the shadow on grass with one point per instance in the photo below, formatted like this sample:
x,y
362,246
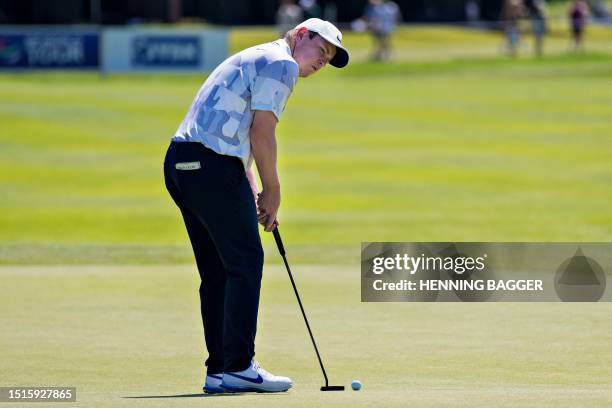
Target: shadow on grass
x,y
183,396
201,395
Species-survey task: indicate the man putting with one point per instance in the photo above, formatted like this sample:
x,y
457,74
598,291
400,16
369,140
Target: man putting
x,y
208,173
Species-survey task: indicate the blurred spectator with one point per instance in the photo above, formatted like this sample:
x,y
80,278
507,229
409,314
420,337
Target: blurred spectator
x,y
382,17
512,12
330,12
536,10
578,13
288,16
472,12
310,9
600,10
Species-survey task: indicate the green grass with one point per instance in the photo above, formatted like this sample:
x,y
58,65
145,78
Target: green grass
x,y
461,149
450,141
117,332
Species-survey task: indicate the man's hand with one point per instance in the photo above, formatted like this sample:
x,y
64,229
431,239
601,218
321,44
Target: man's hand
x,y
268,202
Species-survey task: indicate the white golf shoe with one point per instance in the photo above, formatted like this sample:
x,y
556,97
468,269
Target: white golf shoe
x,y
255,379
213,384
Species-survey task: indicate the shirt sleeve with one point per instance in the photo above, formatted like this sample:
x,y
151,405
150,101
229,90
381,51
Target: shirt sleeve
x,y
272,86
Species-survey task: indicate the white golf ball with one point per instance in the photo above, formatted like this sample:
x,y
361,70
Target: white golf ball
x,y
356,385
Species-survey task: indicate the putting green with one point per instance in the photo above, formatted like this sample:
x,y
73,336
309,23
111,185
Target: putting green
x,y
131,336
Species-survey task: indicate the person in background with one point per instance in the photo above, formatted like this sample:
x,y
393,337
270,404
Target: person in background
x,y
578,14
472,13
310,8
512,12
536,10
600,11
287,16
382,17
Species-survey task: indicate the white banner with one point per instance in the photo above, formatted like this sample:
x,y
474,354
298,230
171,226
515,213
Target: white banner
x,y
163,50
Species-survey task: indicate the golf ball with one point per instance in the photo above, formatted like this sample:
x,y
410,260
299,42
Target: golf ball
x,y
356,385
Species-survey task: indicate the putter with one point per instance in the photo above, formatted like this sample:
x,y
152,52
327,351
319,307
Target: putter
x,y
281,249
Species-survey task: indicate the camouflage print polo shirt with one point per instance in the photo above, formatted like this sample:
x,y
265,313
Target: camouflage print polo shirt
x,y
220,117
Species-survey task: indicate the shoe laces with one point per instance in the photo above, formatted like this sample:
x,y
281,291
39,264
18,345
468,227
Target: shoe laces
x,y
259,369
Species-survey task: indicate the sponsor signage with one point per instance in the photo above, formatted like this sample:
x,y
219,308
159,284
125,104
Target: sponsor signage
x,y
166,51
49,49
162,50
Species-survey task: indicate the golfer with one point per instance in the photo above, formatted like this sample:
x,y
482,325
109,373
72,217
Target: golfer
x,y
207,170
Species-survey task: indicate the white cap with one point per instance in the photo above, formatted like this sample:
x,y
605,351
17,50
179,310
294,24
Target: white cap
x,y
332,35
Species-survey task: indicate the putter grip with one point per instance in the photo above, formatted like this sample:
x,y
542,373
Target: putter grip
x,y
279,241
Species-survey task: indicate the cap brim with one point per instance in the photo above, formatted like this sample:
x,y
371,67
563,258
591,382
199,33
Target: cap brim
x,y
341,58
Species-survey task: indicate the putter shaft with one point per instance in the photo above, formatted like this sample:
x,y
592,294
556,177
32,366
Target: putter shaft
x,y
281,249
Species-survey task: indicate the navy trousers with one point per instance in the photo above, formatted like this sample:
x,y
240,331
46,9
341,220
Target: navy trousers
x,y
217,205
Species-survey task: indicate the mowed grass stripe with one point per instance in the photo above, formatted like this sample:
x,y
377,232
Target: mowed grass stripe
x,y
451,150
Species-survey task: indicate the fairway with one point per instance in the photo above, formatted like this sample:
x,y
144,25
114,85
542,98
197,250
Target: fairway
x,y
123,333
450,141
484,150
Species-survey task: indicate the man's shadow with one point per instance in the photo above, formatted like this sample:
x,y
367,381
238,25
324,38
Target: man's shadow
x,y
202,395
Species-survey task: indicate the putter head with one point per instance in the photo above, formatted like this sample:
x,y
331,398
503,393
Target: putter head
x,y
332,388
